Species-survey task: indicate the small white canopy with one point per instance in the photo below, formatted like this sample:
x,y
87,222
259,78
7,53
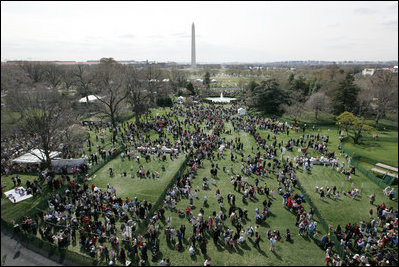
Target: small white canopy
x,y
180,99
242,111
34,156
90,97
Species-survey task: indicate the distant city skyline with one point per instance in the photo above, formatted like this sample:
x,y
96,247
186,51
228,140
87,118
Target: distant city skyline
x,y
225,31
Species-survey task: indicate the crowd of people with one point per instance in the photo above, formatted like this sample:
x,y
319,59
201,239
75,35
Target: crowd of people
x,y
94,213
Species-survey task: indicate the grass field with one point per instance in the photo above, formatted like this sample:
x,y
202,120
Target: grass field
x,y
301,251
280,219
11,211
379,150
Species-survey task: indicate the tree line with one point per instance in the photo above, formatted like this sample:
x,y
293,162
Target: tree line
x,y
41,96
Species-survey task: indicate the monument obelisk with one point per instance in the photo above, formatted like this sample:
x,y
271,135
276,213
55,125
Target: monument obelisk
x,y
193,63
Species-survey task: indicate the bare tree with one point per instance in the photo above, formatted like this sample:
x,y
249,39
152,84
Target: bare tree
x,y
293,111
47,115
12,77
84,79
68,77
52,75
73,139
34,70
177,79
318,102
142,86
364,101
385,87
110,91
14,100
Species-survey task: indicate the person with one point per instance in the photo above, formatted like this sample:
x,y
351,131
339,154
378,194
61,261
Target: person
x,y
122,256
273,242
203,246
288,235
207,262
372,199
191,251
163,262
391,194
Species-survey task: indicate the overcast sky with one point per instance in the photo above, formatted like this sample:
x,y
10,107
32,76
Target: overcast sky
x,y
225,31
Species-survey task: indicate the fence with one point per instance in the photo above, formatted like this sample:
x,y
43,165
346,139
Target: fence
x,y
62,255
159,202
382,183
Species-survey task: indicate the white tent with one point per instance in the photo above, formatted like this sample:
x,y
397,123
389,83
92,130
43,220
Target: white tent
x,y
242,111
90,97
180,99
34,156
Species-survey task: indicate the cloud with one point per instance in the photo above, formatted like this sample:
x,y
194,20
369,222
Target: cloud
x,y
391,23
126,36
332,25
155,36
181,35
364,11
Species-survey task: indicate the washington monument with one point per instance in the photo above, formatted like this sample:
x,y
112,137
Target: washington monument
x,y
193,63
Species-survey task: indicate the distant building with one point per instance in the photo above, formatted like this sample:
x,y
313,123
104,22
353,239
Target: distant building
x,y
368,72
393,69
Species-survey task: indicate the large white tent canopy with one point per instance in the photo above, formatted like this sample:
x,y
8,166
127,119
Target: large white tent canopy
x,y
90,97
34,156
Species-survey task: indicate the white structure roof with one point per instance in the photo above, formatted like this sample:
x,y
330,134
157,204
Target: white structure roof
x,y
242,111
34,156
91,99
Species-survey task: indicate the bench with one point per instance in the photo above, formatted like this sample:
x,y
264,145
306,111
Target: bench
x,y
384,172
387,167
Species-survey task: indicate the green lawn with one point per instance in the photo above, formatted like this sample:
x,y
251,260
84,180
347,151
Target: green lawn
x,y
280,219
302,251
14,211
380,150
143,188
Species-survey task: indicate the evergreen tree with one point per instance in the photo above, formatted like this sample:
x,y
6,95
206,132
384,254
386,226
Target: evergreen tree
x,y
207,80
346,95
268,97
190,87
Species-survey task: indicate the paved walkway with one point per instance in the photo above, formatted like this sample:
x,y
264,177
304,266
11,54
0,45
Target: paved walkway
x,y
18,255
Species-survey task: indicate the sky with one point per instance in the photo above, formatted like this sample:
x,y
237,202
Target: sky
x,y
225,31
